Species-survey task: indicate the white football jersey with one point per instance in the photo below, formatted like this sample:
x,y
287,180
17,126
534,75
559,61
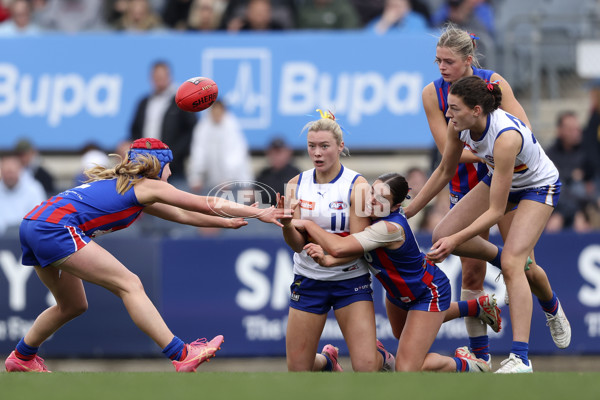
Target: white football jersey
x,y
328,205
532,168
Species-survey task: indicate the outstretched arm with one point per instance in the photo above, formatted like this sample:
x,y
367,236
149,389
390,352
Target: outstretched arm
x,y
506,149
335,245
181,216
151,191
440,177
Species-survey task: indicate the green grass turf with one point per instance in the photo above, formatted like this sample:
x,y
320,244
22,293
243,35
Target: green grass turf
x,y
301,386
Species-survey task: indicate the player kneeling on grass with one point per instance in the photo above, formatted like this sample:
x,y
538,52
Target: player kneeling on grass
x,y
56,238
417,291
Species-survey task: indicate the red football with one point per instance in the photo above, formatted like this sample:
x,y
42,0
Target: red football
x,y
196,94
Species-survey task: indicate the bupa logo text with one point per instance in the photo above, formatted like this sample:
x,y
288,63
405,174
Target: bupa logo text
x,y
58,96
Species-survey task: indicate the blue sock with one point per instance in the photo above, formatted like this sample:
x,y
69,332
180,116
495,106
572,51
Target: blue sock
x,y
496,261
550,306
174,350
520,349
24,351
463,308
461,365
329,365
480,346
468,308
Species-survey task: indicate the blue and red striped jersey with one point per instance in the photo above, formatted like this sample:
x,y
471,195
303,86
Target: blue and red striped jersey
x,y
404,272
467,175
95,207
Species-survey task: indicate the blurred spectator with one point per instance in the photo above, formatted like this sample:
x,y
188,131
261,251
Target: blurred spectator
x,y
219,151
205,15
139,16
478,13
4,12
32,165
587,218
591,135
114,10
278,172
327,14
576,174
398,16
367,10
283,14
91,156
435,211
122,148
70,15
157,116
19,193
20,20
476,17
176,12
422,7
258,17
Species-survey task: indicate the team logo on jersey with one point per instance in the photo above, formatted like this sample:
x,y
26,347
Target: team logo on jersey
x,y
338,205
350,268
307,205
454,198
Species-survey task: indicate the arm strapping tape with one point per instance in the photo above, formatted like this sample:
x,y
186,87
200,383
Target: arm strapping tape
x,y
377,234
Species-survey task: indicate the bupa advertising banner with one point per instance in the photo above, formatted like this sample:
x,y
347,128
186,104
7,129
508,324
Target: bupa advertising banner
x,y
249,283
66,91
239,287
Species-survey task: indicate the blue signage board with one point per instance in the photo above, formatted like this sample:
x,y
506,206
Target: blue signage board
x,y
104,330
239,287
87,86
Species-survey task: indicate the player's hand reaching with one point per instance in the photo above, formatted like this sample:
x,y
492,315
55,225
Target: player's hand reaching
x,y
441,249
288,212
271,215
236,223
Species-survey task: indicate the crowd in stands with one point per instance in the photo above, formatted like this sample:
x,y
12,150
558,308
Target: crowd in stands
x,y
34,16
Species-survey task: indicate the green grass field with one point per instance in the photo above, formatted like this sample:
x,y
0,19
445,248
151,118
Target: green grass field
x,y
301,386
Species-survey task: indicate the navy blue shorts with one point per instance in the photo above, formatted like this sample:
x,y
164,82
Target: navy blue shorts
x,y
318,297
436,299
548,194
43,243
